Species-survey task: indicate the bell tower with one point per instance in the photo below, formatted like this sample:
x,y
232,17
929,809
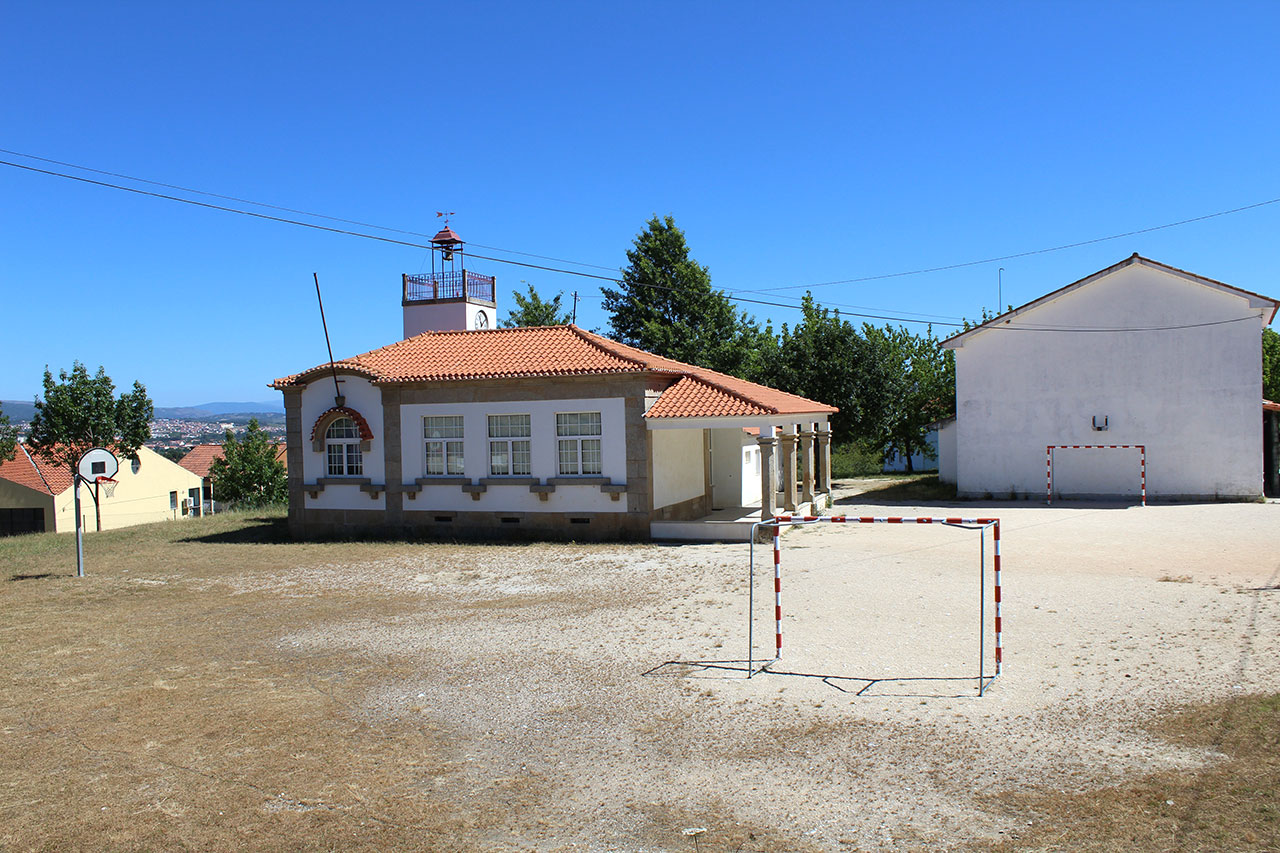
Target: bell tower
x,y
451,297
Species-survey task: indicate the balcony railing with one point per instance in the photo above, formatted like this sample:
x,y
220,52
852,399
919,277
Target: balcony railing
x,y
453,284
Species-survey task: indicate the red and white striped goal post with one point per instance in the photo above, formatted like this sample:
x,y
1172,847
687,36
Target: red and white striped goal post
x,y
1048,463
779,521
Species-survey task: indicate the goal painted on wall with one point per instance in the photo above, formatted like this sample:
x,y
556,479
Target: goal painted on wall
x,y
1048,464
755,667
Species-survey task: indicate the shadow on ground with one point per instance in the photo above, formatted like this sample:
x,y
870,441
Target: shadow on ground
x,y
264,530
904,686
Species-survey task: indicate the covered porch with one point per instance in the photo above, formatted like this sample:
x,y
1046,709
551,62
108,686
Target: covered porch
x,y
714,477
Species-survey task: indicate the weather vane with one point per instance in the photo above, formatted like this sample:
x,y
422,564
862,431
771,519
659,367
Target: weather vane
x,y
445,215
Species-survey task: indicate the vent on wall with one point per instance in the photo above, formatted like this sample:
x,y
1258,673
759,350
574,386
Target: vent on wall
x,y
444,518
509,520
1099,423
579,521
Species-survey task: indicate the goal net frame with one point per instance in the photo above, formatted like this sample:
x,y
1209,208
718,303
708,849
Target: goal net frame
x,y
1048,463
778,522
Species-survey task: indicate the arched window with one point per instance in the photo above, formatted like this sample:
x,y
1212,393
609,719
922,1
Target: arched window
x,y
342,449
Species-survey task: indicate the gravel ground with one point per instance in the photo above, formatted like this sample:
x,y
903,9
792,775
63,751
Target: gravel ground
x,y
579,672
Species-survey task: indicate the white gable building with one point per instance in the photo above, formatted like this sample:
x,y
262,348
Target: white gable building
x,y
1139,353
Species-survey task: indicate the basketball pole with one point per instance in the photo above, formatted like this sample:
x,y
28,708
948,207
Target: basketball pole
x,y
79,529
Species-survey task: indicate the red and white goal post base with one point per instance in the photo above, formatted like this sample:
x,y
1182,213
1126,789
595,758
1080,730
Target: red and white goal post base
x,y
1048,463
980,524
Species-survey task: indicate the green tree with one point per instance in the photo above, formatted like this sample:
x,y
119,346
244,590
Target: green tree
x,y
918,389
666,305
8,438
80,412
248,474
534,311
1271,365
822,358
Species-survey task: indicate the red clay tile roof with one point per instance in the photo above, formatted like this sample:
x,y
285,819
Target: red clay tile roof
x,y
561,351
200,457
35,472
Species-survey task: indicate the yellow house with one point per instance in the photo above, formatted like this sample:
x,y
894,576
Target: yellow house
x,y
36,495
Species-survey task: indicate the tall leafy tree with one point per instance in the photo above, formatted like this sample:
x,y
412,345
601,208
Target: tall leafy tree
x,y
248,474
666,305
822,358
533,310
1271,365
79,412
919,388
8,438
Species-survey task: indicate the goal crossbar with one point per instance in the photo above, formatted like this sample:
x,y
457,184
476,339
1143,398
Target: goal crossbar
x,y
1048,463
780,521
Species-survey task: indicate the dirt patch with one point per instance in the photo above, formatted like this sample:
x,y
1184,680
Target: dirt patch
x,y
206,688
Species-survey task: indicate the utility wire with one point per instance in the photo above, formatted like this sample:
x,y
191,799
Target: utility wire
x,y
610,279
1018,254
283,209
880,277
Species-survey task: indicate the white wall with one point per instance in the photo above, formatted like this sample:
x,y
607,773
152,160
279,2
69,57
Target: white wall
x,y
544,451
366,399
735,479
947,452
446,317
1192,396
679,470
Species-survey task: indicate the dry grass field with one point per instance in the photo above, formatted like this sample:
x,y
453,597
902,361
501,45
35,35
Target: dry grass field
x,y
211,685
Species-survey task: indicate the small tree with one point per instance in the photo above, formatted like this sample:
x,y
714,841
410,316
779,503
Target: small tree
x,y
80,412
1271,365
8,438
534,311
248,474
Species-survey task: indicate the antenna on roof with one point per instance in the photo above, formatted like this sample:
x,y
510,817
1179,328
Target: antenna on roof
x,y
337,391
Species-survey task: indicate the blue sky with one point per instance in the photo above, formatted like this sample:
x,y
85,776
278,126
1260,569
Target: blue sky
x,y
794,145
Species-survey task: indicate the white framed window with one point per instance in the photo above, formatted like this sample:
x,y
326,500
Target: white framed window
x,y
509,448
342,449
578,438
444,445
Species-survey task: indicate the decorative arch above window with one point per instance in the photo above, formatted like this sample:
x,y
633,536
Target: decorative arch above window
x,y
323,423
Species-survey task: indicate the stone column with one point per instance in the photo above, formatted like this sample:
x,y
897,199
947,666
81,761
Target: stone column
x,y
391,456
824,458
768,488
294,454
806,464
787,447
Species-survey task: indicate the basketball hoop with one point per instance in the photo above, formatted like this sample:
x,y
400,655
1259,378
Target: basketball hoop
x,y
107,485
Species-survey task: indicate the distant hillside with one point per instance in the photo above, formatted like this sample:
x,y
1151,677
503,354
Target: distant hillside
x,y
276,405
266,413
16,410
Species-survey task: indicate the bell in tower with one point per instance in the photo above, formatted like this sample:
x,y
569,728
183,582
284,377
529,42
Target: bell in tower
x,y
450,298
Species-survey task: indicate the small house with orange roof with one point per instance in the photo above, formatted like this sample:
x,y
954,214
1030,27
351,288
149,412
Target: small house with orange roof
x,y
461,429
37,496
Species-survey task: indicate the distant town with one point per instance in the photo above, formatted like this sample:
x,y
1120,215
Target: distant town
x,y
177,434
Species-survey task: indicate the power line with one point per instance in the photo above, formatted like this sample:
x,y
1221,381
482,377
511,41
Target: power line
x,y
1018,254
612,280
282,209
879,277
